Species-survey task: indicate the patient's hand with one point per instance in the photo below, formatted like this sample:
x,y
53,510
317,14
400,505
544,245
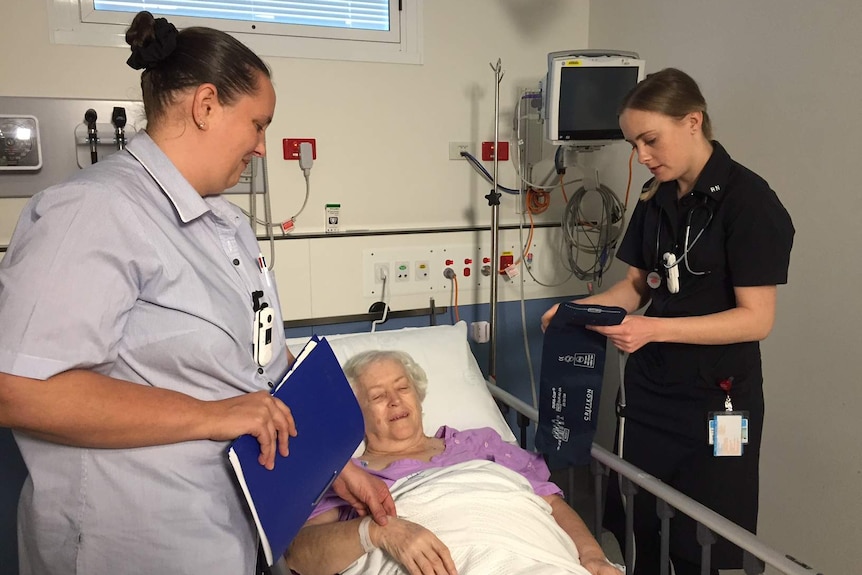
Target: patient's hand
x,y
599,567
365,493
415,547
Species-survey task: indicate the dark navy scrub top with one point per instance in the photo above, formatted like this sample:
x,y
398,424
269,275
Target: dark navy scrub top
x,y
746,241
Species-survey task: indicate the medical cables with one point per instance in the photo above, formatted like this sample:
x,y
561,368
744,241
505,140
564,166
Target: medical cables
x,y
267,209
596,237
376,322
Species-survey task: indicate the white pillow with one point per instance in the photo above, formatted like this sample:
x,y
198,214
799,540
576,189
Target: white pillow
x,y
457,395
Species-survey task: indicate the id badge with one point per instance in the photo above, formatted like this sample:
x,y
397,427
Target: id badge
x,y
728,432
262,335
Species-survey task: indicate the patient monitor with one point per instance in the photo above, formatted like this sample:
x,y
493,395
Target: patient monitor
x,y
583,90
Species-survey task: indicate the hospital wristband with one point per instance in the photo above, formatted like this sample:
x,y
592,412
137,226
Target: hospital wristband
x,y
364,537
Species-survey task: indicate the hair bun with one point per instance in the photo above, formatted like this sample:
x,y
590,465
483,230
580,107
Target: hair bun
x,y
150,53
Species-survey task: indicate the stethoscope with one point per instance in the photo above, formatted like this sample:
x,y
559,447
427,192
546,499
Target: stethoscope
x,y
669,260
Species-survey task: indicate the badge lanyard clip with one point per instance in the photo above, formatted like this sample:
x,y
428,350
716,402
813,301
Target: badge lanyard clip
x,y
726,385
262,329
728,429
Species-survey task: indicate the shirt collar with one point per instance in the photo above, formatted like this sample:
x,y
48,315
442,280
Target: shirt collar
x,y
712,181
186,200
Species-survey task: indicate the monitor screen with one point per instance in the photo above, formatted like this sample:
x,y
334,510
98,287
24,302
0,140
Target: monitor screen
x,y
589,101
583,92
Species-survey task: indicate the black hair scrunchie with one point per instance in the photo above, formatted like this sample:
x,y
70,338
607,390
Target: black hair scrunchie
x,y
160,47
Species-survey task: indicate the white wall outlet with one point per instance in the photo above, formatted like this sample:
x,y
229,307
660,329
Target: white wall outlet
x,y
381,270
455,149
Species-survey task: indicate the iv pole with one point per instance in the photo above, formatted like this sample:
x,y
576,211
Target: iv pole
x,y
493,198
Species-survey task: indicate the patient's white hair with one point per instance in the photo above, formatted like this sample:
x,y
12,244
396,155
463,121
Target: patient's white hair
x,y
356,365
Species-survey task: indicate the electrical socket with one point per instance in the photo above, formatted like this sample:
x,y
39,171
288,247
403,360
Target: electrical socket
x,y
422,270
455,149
291,147
402,271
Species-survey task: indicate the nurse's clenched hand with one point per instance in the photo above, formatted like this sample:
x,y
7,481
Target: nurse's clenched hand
x,y
259,414
633,333
364,492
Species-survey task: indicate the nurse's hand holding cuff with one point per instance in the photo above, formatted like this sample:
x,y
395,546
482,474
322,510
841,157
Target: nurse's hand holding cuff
x,y
260,414
634,332
364,492
548,315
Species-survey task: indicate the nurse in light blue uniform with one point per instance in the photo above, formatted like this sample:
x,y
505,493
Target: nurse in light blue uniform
x,y
127,299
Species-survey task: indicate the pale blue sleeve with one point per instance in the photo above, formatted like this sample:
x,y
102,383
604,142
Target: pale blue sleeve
x,y
67,281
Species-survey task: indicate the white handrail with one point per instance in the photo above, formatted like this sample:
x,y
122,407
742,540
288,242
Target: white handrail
x,y
718,524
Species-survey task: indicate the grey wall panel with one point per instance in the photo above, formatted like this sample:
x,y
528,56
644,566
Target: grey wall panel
x,y
62,127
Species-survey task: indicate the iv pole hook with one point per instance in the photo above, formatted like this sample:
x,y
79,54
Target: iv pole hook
x,y
498,70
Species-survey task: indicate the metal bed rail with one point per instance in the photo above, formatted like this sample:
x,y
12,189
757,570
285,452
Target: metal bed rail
x,y
756,553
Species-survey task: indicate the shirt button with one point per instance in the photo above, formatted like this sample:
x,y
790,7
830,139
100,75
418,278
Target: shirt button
x,y
235,262
457,441
260,370
486,444
269,383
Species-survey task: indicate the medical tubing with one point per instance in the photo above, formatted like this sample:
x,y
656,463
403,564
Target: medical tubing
x,y
267,213
307,193
608,228
524,315
252,204
382,319
485,174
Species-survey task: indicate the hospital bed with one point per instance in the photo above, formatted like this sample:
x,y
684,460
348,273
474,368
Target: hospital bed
x,y
459,396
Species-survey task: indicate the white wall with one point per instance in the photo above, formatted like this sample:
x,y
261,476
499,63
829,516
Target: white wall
x,y
382,132
782,80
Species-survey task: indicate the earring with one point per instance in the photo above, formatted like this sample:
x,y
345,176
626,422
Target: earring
x,y
201,125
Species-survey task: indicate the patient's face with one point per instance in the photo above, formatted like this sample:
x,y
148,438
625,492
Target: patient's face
x,y
390,405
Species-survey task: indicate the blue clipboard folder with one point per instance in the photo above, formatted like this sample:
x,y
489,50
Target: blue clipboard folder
x,y
329,427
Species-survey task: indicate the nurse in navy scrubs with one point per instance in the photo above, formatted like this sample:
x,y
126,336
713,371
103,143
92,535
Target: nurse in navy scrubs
x,y
707,246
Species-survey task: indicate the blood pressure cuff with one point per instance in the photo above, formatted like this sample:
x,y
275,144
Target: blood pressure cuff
x,y
573,362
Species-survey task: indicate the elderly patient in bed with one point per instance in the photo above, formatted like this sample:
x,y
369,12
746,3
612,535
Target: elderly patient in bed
x,y
467,502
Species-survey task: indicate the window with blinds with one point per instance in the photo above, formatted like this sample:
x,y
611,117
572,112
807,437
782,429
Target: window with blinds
x,y
375,20
368,30
355,14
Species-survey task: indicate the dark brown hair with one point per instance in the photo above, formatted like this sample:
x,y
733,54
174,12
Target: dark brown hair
x,y
175,61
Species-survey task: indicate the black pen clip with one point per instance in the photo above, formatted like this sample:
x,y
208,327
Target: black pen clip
x,y
256,304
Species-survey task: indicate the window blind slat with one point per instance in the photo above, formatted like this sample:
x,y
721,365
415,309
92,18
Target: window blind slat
x,y
358,14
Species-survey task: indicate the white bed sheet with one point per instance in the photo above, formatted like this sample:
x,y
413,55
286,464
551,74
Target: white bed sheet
x,y
489,519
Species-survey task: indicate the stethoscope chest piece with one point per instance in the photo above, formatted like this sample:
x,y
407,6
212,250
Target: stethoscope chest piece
x,y
653,279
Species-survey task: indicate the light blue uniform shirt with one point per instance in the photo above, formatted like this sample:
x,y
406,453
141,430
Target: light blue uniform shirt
x,y
125,270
